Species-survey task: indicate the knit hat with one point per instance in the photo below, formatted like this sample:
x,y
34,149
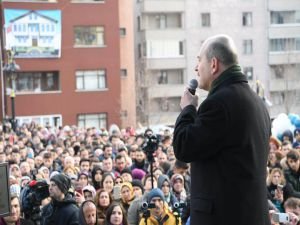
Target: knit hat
x,y
138,183
62,181
156,192
138,174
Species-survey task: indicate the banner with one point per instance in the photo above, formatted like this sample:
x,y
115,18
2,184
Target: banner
x,y
33,33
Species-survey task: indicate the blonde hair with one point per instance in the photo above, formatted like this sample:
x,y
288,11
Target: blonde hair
x,y
271,174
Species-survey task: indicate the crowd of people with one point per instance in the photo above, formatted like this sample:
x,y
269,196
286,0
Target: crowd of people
x,y
98,177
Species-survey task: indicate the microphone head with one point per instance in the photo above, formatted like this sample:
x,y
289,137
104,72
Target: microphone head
x,y
193,84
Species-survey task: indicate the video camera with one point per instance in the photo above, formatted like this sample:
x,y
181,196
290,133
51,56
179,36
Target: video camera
x,y
145,209
150,144
31,198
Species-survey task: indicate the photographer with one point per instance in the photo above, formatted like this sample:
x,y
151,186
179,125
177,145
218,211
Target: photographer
x,y
62,209
159,211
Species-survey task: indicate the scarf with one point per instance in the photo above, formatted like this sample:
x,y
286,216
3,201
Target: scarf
x,y
231,75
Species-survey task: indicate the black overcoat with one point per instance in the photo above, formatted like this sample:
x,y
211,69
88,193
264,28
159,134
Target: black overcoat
x,y
226,141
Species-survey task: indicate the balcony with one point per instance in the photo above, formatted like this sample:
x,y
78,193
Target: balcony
x,y
167,34
283,85
165,63
161,91
284,31
284,5
165,6
276,58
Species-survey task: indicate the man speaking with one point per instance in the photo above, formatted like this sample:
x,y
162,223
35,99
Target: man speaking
x,y
226,141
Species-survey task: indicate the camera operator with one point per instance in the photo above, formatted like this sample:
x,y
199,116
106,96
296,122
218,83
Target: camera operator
x,y
62,209
15,217
159,213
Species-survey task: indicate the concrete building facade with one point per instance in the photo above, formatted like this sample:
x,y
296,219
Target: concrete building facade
x,y
265,48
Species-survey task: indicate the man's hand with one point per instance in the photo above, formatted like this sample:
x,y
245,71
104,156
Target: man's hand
x,y
188,99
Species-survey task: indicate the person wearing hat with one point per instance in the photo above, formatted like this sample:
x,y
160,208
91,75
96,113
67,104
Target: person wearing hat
x,y
159,211
138,188
62,209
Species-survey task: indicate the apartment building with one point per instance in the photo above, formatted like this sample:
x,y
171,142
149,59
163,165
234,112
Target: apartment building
x,y
72,62
163,69
284,56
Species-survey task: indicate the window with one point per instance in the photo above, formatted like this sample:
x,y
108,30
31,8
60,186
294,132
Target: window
x,y
138,23
122,32
164,48
89,35
98,120
284,44
172,76
123,72
247,19
285,17
205,19
34,82
164,21
163,78
248,71
90,80
45,120
247,47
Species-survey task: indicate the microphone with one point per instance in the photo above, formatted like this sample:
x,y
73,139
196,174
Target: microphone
x,y
192,86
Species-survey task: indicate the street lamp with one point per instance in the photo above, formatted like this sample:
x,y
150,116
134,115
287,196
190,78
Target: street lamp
x,y
10,70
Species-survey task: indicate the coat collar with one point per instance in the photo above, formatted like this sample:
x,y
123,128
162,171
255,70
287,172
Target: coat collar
x,y
231,75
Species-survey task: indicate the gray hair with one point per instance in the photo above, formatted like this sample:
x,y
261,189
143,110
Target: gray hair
x,y
222,47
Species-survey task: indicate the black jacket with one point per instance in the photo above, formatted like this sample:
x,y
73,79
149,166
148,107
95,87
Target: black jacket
x,y
227,143
65,212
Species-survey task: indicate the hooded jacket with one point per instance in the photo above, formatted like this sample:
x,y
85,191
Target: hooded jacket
x,y
61,212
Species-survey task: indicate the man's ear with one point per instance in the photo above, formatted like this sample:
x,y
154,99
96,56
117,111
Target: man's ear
x,y
214,64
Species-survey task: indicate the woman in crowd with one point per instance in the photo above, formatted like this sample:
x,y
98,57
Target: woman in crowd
x,y
108,182
103,200
278,191
116,215
127,195
119,181
83,179
97,175
164,184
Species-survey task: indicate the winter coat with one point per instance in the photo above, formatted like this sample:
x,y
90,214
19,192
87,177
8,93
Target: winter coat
x,y
227,143
63,212
167,219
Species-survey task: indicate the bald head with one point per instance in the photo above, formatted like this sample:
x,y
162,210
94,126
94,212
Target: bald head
x,y
221,47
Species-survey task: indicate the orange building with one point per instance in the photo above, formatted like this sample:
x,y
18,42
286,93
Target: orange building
x,y
70,62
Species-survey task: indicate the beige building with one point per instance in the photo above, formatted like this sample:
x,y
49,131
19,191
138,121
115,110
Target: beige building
x,y
170,33
128,103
